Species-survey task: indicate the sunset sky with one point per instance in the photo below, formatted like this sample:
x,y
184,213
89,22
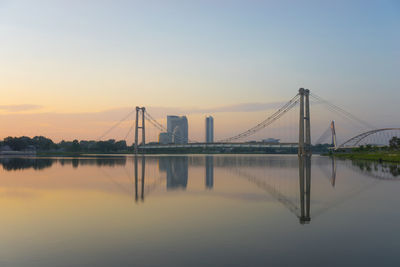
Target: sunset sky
x,y
70,69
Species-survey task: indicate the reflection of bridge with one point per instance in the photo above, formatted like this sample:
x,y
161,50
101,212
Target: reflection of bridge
x,y
302,212
257,170
176,169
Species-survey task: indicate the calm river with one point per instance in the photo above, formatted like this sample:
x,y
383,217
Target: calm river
x,y
197,210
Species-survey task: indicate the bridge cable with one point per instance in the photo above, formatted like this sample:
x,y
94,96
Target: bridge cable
x,y
115,125
323,136
278,114
344,112
130,130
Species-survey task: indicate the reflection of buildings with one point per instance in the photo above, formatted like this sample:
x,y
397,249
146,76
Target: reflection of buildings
x,y
177,171
209,172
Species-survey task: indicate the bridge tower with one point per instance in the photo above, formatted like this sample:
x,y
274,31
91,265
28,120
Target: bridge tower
x,y
333,130
304,123
140,111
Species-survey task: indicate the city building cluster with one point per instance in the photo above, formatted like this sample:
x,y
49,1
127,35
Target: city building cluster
x,y
177,130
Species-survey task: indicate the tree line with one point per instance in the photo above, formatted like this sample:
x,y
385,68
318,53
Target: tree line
x,y
394,145
41,143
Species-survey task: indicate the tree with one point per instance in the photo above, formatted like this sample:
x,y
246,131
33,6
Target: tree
x,y
43,143
18,143
75,147
120,145
394,143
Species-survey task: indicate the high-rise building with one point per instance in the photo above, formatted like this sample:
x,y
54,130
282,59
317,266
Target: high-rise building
x,y
209,129
164,138
177,129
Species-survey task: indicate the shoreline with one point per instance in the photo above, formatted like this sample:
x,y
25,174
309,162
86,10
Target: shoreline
x,y
393,157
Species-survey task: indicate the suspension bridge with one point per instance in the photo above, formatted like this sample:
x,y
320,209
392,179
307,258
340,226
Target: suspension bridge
x,y
303,145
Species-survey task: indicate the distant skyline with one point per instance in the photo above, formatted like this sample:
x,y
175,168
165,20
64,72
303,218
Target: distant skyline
x,y
70,68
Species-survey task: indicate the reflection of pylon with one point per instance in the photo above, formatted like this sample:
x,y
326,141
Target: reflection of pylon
x,y
142,127
305,189
137,178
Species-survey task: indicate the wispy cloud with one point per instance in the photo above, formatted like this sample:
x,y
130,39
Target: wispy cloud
x,y
241,107
18,108
89,125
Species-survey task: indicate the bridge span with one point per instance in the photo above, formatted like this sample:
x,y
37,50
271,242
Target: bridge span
x,y
220,145
303,147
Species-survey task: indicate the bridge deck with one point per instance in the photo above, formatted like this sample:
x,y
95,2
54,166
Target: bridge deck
x,y
221,145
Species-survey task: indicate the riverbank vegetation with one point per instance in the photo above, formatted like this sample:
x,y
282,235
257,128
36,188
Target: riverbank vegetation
x,y
390,153
45,145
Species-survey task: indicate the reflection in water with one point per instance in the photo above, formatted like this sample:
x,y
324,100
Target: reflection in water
x,y
209,172
142,180
377,170
305,188
333,176
79,214
12,164
19,163
176,168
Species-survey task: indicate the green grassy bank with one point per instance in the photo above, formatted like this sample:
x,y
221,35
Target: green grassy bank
x,y
389,156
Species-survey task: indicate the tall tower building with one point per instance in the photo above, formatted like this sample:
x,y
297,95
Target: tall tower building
x,y
209,129
177,129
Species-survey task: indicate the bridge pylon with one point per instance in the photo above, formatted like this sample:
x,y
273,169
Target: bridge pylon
x,y
140,115
304,123
333,131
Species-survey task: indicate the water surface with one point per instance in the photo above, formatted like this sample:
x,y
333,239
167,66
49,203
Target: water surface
x,y
244,210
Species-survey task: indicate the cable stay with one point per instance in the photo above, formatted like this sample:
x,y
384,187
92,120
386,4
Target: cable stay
x,y
129,131
278,114
343,112
324,136
115,125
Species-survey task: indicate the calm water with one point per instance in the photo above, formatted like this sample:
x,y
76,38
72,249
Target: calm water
x,y
198,211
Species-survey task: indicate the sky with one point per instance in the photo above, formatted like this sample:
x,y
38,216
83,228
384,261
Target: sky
x,y
71,69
